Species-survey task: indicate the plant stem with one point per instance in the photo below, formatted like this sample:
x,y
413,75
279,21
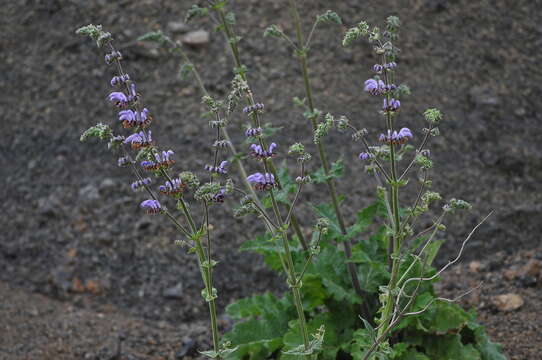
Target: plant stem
x,y
223,129
232,41
396,238
302,58
292,279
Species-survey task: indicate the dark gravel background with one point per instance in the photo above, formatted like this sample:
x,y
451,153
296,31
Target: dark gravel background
x,y
70,222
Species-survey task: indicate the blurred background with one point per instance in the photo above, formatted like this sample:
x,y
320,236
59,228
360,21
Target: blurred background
x,y
80,263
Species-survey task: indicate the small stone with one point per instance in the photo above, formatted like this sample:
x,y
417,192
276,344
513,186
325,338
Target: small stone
x,y
187,349
475,266
107,185
175,292
532,268
507,302
483,95
89,193
510,274
196,38
177,27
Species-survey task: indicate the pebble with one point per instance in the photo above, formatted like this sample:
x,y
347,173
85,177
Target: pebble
x,y
507,302
175,292
177,27
196,38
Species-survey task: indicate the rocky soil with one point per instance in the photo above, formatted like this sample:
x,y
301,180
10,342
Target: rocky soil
x,y
81,266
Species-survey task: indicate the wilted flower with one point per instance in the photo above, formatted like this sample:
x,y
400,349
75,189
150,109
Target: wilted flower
x,y
261,181
139,140
151,206
220,169
260,153
137,185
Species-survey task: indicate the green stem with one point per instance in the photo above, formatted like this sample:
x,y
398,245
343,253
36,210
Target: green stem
x,y
231,40
292,279
396,221
205,268
302,58
223,129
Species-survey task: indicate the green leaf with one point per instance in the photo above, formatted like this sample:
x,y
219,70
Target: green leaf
x,y
260,335
449,347
313,292
336,171
329,16
330,266
185,70
196,12
488,349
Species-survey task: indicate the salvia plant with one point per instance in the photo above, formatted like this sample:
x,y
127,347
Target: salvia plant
x,y
360,290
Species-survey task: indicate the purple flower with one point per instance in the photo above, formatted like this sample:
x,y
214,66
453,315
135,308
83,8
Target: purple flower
x,y
118,98
260,153
377,68
374,87
220,169
405,133
115,55
151,206
365,156
137,185
117,80
395,137
172,187
123,161
219,196
165,159
253,132
131,118
252,108
261,181
392,105
139,140
390,65
149,165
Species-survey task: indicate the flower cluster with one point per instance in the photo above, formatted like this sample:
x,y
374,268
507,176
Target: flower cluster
x,y
162,160
391,105
151,206
262,181
253,132
259,153
377,68
130,118
365,156
138,184
220,169
394,137
173,187
252,108
139,140
378,87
